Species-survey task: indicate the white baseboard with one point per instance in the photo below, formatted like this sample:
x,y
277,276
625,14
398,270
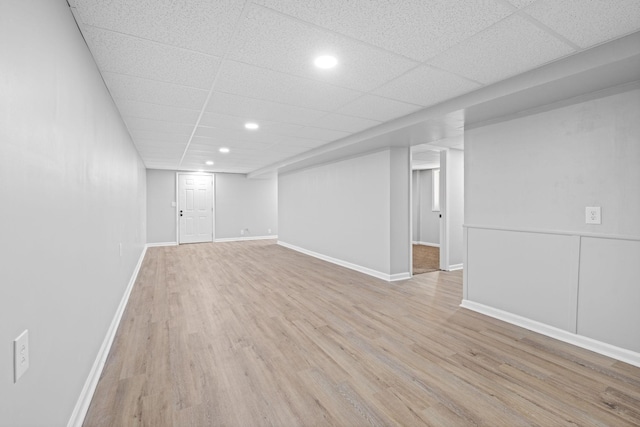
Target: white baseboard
x,y
359,268
455,267
242,239
600,347
399,276
82,405
434,245
154,245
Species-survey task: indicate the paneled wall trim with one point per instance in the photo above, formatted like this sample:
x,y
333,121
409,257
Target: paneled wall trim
x,y
578,287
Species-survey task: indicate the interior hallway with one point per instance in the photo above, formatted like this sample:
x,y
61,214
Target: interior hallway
x,y
251,333
425,259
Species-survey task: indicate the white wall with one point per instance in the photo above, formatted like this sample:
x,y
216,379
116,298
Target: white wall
x,y
530,253
426,222
161,215
243,203
240,203
343,211
415,205
452,207
452,249
73,189
400,229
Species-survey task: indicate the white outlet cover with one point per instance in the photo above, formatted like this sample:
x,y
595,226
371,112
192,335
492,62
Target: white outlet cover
x,y
593,215
20,355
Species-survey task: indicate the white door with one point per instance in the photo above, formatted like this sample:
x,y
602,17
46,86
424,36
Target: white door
x,y
195,208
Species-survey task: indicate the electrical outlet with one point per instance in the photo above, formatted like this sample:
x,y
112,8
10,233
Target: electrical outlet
x,y
20,355
269,231
242,232
592,215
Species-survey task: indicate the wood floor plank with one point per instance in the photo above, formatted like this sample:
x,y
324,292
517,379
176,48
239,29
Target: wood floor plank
x,y
254,334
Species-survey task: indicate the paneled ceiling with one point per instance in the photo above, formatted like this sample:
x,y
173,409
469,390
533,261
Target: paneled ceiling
x,y
186,75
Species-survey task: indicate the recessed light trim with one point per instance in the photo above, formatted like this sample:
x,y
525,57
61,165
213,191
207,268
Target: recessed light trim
x,y
251,126
325,61
209,162
224,150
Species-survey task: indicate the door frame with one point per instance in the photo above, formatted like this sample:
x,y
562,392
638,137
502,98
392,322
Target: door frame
x,y
213,202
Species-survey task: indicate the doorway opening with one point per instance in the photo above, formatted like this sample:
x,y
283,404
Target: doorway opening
x,y
425,174
437,205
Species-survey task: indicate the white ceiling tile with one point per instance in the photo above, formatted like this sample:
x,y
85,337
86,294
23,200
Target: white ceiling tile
x,y
120,53
233,122
200,25
160,153
234,135
302,141
155,92
344,123
321,134
378,108
159,59
521,3
360,66
151,144
146,135
587,23
145,110
510,47
415,28
255,82
257,109
245,139
135,123
206,143
426,86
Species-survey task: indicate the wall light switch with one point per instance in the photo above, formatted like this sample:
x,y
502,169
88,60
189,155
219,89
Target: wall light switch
x,y
20,355
173,204
592,215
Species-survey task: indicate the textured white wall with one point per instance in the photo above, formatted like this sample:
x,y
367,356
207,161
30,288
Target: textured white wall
x,y
400,230
243,203
609,298
542,170
536,174
73,189
429,220
454,203
161,216
341,210
415,205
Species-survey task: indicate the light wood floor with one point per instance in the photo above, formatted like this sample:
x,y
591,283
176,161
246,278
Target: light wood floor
x,y
253,334
425,259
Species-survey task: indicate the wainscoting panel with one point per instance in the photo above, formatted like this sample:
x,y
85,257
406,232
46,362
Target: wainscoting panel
x,y
609,297
532,275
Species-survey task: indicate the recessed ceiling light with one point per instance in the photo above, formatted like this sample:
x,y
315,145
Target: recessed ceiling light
x,y
209,162
325,61
251,125
224,150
